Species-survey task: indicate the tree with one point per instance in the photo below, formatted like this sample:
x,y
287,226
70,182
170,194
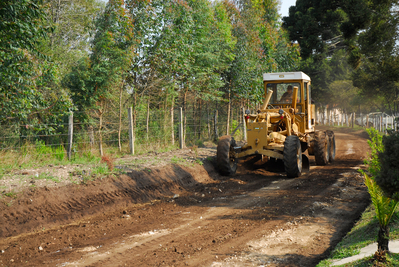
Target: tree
x,y
99,79
26,74
343,93
366,30
72,23
315,25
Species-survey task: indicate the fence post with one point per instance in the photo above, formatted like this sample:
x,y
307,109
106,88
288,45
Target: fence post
x,y
353,119
215,123
181,135
244,124
367,121
131,130
70,136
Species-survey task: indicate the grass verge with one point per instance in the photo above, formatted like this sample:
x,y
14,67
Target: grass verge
x,y
362,234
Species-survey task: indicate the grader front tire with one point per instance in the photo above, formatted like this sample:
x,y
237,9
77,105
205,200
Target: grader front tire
x,y
321,148
227,164
292,156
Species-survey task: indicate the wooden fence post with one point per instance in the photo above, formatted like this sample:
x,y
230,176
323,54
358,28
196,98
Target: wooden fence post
x,y
244,124
181,135
131,130
215,120
70,136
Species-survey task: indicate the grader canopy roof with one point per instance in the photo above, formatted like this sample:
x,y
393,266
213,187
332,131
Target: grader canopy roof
x,y
281,76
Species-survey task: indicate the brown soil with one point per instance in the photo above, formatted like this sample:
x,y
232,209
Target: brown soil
x,y
188,215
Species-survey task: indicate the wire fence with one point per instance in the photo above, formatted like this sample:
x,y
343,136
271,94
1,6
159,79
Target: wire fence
x,y
153,129
150,128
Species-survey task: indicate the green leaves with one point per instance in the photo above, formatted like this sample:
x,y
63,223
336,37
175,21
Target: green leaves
x,y
385,207
388,176
26,74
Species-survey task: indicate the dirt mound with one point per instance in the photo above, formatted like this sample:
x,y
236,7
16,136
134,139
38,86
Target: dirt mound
x,y
45,207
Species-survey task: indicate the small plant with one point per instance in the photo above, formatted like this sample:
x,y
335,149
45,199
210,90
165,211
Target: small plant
x,y
42,149
195,149
384,207
11,194
101,169
86,179
59,153
177,160
109,161
198,161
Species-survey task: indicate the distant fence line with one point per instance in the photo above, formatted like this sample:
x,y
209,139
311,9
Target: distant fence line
x,y
378,120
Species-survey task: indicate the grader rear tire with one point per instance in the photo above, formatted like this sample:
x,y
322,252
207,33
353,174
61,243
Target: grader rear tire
x,y
331,137
321,148
292,156
227,164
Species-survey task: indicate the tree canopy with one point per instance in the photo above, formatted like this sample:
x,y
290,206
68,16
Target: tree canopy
x,y
368,33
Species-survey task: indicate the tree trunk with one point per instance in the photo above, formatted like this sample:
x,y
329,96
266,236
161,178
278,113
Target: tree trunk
x,y
228,114
208,120
184,114
148,118
100,137
199,119
194,116
383,238
172,120
120,119
135,109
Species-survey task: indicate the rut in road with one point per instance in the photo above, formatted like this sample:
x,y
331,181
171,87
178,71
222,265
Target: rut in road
x,y
255,217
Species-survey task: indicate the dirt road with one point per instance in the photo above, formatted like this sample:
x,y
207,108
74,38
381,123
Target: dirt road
x,y
190,216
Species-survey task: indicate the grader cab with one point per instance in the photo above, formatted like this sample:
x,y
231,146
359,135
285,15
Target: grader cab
x,y
283,128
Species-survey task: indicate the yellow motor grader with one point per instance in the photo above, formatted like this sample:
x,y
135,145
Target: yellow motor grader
x,y
283,128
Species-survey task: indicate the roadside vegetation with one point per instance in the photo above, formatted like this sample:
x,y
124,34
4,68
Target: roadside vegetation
x,y
380,221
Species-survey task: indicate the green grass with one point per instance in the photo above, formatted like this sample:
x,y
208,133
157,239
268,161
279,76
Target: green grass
x,y
11,194
177,160
46,176
362,234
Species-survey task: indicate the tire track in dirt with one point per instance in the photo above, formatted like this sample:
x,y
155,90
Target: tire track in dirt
x,y
309,219
52,206
253,218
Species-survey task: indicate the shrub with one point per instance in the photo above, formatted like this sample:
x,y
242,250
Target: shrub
x,y
388,176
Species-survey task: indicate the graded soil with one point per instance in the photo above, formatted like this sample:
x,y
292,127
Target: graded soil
x,y
188,215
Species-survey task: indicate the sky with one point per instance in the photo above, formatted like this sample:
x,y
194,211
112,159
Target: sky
x,y
285,5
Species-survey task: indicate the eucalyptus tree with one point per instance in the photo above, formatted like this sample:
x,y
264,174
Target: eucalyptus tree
x,y
72,23
98,80
262,46
26,74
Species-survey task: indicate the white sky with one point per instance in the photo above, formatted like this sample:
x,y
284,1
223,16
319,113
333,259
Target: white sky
x,y
285,5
